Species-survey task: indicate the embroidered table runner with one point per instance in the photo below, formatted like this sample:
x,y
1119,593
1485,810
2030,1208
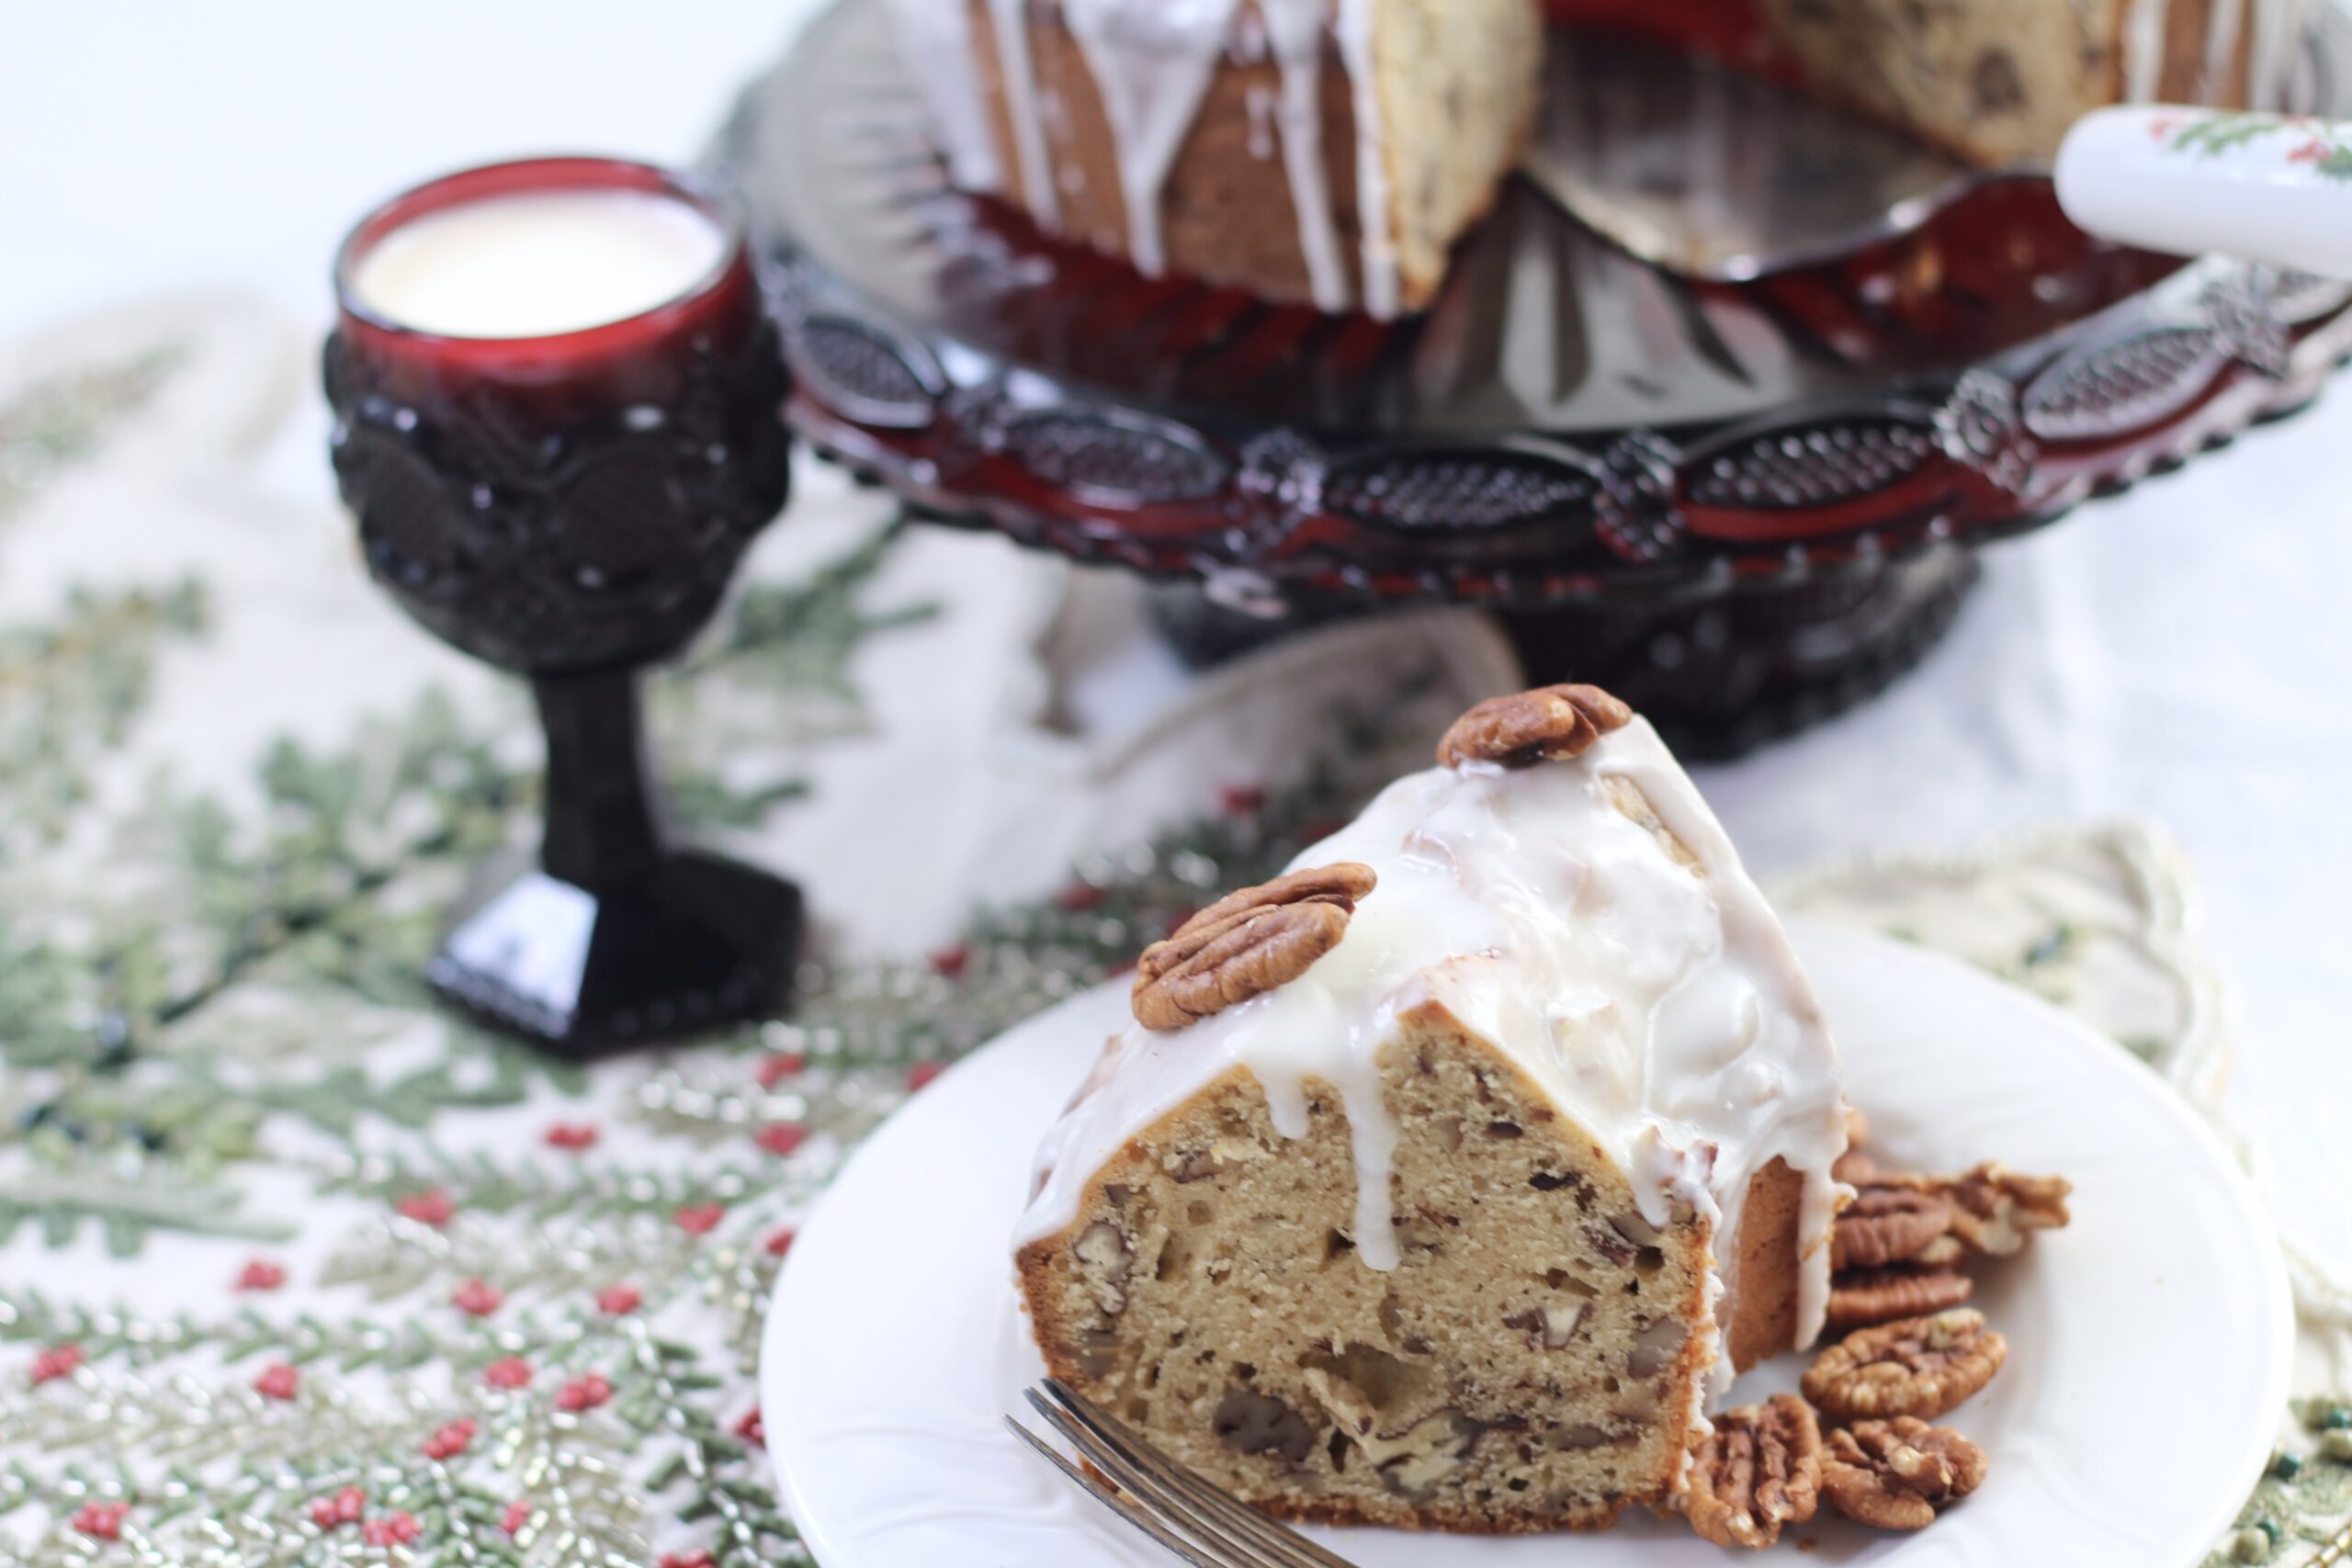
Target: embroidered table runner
x,y
295,1268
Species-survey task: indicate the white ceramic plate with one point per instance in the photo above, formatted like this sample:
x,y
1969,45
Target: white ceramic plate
x,y
2149,1344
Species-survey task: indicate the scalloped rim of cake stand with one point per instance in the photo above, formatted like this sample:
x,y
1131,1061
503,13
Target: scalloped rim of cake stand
x,y
1263,508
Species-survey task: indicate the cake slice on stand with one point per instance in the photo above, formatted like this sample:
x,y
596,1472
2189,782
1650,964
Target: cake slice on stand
x,y
1445,1179
1331,152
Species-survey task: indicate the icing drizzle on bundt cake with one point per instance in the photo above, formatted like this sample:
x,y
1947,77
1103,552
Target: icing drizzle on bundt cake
x,y
1585,914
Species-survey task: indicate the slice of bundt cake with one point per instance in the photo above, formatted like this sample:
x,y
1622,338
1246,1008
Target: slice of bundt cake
x,y
1443,1180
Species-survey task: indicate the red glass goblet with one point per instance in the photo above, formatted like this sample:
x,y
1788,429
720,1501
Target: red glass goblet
x,y
557,468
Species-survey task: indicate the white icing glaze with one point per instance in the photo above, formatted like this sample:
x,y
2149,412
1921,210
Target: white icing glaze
x,y
1261,124
1660,1009
936,37
1152,65
1017,69
1356,25
2144,48
1296,31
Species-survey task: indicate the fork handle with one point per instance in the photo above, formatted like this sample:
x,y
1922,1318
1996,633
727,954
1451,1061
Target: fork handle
x,y
2269,187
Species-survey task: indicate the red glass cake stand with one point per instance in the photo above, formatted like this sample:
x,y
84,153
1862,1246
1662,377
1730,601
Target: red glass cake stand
x,y
1741,506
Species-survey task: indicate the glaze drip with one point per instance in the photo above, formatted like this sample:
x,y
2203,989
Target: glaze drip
x,y
1152,66
1295,30
2271,48
1355,25
1018,69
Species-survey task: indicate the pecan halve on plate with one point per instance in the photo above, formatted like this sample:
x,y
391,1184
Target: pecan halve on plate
x,y
1898,1474
1915,1366
1759,1469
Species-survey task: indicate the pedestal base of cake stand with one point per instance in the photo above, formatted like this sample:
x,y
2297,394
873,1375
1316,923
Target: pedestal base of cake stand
x,y
698,942
1718,677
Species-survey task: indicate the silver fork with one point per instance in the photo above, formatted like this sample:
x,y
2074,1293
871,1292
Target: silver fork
x,y
1200,1523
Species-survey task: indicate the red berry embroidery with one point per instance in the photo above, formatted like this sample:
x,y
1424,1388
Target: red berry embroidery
x,y
700,1219
615,1300
58,1362
513,1371
431,1207
101,1521
1240,800
949,962
477,1298
782,1066
780,1242
920,1074
782,1138
584,1392
390,1529
342,1508
751,1430
518,1515
575,1135
451,1440
261,1274
277,1381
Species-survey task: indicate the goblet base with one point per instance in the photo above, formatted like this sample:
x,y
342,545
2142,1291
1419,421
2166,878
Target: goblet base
x,y
697,942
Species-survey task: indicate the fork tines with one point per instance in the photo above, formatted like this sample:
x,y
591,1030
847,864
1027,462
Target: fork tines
x,y
1200,1523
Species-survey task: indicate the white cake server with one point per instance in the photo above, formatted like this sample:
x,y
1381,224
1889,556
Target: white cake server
x,y
1720,174
2268,188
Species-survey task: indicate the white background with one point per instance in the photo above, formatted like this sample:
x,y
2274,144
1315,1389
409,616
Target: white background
x,y
2185,653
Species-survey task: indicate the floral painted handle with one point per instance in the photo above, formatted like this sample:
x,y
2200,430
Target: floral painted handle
x,y
2269,187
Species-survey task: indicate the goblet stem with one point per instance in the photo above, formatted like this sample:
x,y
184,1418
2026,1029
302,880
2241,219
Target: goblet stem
x,y
604,830
616,936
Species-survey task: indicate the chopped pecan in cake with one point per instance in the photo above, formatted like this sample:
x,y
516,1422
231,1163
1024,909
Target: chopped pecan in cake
x,y
1245,944
1898,1474
1105,1261
1915,1366
1258,1424
1527,727
1758,1469
1864,1298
